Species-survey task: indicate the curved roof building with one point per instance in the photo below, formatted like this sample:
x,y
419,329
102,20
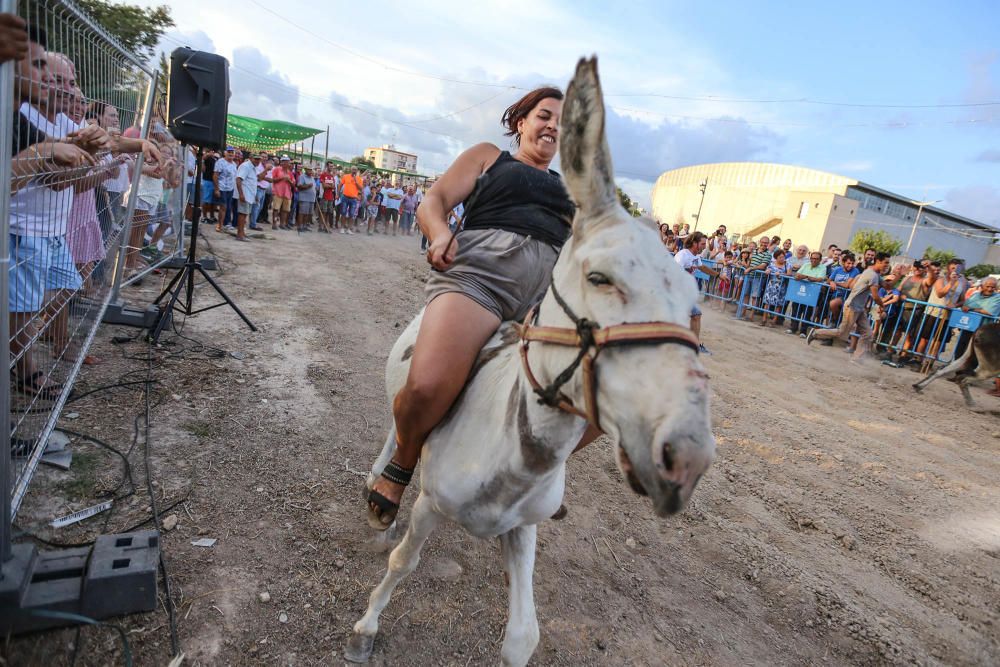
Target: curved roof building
x,y
809,206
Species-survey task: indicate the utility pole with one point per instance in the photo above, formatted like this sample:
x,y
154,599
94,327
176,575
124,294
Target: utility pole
x,y
916,220
697,216
326,151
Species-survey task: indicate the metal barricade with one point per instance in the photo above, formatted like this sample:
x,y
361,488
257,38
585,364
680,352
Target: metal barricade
x,y
76,117
922,332
155,236
926,333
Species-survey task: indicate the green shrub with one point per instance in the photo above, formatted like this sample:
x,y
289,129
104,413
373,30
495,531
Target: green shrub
x,y
983,270
934,254
881,241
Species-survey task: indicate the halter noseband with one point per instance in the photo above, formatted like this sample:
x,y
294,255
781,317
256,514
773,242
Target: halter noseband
x,y
589,335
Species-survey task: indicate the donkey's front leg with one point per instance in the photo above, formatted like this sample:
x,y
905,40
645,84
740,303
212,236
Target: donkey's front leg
x,y
402,560
518,549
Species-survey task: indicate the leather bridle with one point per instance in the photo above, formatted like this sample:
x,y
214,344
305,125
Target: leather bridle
x,y
590,338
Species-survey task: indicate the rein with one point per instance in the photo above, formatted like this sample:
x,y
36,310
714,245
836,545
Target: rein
x,y
591,339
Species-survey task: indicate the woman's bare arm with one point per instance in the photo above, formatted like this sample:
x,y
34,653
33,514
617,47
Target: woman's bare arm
x,y
452,188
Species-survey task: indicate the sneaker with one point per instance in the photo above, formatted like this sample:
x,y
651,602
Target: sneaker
x,y
810,336
342,231
789,331
703,349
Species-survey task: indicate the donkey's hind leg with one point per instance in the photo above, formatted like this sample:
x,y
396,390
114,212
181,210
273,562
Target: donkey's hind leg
x,y
518,552
402,560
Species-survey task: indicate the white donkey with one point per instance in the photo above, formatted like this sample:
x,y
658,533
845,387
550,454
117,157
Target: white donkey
x,y
496,465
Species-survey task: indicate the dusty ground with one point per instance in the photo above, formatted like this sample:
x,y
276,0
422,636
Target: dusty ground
x,y
845,520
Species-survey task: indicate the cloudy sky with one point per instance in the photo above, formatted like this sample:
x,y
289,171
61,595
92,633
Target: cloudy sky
x,y
902,95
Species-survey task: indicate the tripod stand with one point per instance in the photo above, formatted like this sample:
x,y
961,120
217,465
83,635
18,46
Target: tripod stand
x,y
183,281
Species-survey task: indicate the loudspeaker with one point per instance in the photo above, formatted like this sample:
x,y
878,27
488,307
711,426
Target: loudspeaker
x,y
198,98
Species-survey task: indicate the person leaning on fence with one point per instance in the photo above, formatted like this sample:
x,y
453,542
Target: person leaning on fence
x,y
759,261
985,301
862,287
812,271
840,278
886,330
948,292
774,292
48,161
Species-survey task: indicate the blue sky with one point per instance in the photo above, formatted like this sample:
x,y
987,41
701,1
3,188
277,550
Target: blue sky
x,y
889,53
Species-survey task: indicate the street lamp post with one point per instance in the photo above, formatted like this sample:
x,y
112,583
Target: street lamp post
x,y
916,220
697,216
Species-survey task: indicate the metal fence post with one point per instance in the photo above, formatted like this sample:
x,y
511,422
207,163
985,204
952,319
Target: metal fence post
x,y
133,188
747,277
6,144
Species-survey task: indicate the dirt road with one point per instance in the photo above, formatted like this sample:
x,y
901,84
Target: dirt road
x,y
845,520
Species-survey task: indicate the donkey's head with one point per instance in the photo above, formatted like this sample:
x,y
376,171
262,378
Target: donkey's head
x,y
652,398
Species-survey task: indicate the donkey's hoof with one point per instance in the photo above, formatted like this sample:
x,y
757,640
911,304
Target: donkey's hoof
x,y
359,648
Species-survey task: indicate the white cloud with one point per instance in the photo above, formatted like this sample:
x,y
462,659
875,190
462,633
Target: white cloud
x,y
979,202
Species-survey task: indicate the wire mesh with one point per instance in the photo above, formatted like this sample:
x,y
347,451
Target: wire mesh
x,y
80,110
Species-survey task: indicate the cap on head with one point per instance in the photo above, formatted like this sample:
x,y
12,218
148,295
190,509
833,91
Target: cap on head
x,y
285,158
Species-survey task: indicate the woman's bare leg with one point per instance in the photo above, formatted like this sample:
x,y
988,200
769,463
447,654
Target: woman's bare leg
x,y
453,330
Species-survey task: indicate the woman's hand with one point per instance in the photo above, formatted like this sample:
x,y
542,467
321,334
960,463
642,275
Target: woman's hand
x,y
441,251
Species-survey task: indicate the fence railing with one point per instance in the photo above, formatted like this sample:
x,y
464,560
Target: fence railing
x,y
89,172
914,330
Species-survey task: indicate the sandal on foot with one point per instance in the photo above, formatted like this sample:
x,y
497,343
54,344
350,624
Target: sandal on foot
x,y
387,508
30,387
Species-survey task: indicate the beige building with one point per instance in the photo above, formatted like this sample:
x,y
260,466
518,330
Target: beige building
x,y
809,206
387,157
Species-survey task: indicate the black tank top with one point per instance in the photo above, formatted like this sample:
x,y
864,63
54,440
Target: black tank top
x,y
518,198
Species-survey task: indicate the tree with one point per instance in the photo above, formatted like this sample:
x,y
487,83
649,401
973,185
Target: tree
x,y
627,203
881,241
138,29
934,254
363,160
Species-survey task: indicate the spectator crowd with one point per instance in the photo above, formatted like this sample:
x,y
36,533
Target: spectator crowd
x,y
900,312
243,190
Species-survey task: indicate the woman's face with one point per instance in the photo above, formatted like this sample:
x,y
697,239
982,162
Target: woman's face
x,y
109,117
539,130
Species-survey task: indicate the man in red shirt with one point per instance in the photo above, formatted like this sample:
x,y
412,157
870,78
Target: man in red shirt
x,y
327,203
282,181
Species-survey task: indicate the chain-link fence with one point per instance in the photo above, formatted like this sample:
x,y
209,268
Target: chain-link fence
x,y
93,200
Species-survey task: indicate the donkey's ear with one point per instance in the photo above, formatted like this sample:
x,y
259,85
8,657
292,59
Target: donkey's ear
x,y
585,157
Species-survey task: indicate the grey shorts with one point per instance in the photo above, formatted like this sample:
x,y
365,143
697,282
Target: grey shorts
x,y
504,272
244,207
305,207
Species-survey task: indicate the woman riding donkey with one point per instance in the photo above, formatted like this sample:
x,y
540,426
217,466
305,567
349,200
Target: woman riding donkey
x,y
518,215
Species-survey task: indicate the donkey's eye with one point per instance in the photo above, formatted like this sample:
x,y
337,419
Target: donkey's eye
x,y
596,278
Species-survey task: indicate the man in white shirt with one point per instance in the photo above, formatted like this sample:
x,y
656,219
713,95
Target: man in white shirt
x,y
263,168
246,191
224,183
689,257
392,199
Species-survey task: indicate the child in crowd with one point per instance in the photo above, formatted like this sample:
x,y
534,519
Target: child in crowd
x,y
774,293
725,274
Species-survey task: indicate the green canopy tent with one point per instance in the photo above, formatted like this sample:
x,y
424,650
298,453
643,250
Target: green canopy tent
x,y
268,135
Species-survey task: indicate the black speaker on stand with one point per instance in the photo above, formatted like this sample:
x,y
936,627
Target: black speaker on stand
x,y
197,112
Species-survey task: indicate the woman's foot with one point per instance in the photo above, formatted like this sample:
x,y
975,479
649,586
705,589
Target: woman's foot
x,y
386,494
